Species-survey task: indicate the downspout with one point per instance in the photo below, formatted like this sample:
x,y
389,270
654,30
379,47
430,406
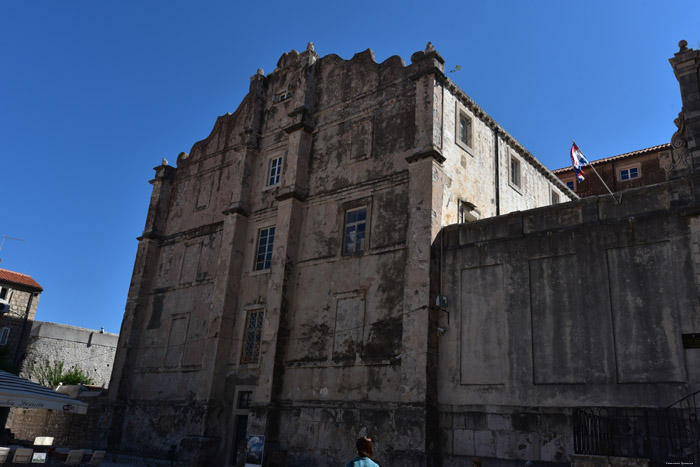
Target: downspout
x,y
497,167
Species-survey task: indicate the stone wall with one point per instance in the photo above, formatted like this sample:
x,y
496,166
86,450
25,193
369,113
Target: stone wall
x,y
91,351
579,304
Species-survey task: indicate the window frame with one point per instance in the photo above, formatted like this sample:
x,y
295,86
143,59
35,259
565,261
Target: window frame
x,y
515,177
628,169
461,112
269,249
555,198
363,242
270,168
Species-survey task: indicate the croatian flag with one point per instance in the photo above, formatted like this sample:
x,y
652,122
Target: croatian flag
x,y
578,160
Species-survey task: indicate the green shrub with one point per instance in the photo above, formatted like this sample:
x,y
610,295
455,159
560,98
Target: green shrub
x,y
51,374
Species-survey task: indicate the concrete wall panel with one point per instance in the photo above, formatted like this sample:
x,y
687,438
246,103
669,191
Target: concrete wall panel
x,y
648,346
483,334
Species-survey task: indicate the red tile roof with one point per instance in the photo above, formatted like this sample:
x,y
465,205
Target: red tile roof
x,y
660,147
19,279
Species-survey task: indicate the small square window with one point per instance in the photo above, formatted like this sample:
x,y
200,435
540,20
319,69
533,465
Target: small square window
x,y
555,197
515,172
570,184
266,242
274,171
354,231
251,338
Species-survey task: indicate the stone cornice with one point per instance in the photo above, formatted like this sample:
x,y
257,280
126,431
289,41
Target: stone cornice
x,y
432,152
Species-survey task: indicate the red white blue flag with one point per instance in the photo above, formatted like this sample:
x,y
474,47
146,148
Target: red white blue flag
x,y
578,160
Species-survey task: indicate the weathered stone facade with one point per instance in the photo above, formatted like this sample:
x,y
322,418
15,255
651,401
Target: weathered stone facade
x,y
330,329
577,305
87,349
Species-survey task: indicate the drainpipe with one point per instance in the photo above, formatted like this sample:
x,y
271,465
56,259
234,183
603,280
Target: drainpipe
x,y
497,167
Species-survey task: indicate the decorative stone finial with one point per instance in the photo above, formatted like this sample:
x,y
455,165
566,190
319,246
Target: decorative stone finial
x,y
429,48
310,47
165,161
260,72
683,45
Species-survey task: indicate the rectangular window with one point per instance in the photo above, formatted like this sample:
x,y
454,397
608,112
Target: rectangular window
x,y
514,172
354,231
274,171
3,293
463,129
266,241
251,338
244,399
4,336
629,173
570,184
555,197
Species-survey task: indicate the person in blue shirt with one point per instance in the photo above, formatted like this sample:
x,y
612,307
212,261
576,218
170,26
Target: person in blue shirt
x,y
365,451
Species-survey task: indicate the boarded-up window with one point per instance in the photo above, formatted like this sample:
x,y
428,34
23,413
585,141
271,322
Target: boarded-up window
x,y
349,320
361,139
176,341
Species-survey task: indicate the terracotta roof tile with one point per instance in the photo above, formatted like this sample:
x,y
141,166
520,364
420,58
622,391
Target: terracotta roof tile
x,y
639,152
19,279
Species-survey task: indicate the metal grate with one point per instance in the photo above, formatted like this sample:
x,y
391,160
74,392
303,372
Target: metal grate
x,y
661,435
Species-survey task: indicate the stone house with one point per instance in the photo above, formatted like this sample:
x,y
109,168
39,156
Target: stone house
x,y
285,283
19,298
629,170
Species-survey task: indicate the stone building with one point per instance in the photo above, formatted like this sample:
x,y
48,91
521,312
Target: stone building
x,y
19,298
89,350
284,284
629,170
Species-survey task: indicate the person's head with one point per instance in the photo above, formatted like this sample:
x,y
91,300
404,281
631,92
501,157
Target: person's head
x,y
477,462
364,447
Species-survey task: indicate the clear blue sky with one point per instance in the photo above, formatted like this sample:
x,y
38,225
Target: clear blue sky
x,y
93,94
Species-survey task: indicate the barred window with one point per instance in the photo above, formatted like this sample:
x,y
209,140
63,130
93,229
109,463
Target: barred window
x,y
266,241
251,339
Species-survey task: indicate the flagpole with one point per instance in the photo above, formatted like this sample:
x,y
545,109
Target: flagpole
x,y
599,177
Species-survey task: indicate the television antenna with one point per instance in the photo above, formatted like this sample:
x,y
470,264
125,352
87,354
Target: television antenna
x,y
5,237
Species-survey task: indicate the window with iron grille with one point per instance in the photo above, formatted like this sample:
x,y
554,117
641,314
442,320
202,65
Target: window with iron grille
x,y
266,241
354,231
274,171
251,338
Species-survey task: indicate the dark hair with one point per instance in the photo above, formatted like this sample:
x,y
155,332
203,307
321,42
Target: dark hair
x,y
364,447
477,462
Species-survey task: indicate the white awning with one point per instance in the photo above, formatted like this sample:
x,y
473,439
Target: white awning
x,y
20,392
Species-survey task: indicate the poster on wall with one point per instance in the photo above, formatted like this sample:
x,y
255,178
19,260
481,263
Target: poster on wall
x,y
254,453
